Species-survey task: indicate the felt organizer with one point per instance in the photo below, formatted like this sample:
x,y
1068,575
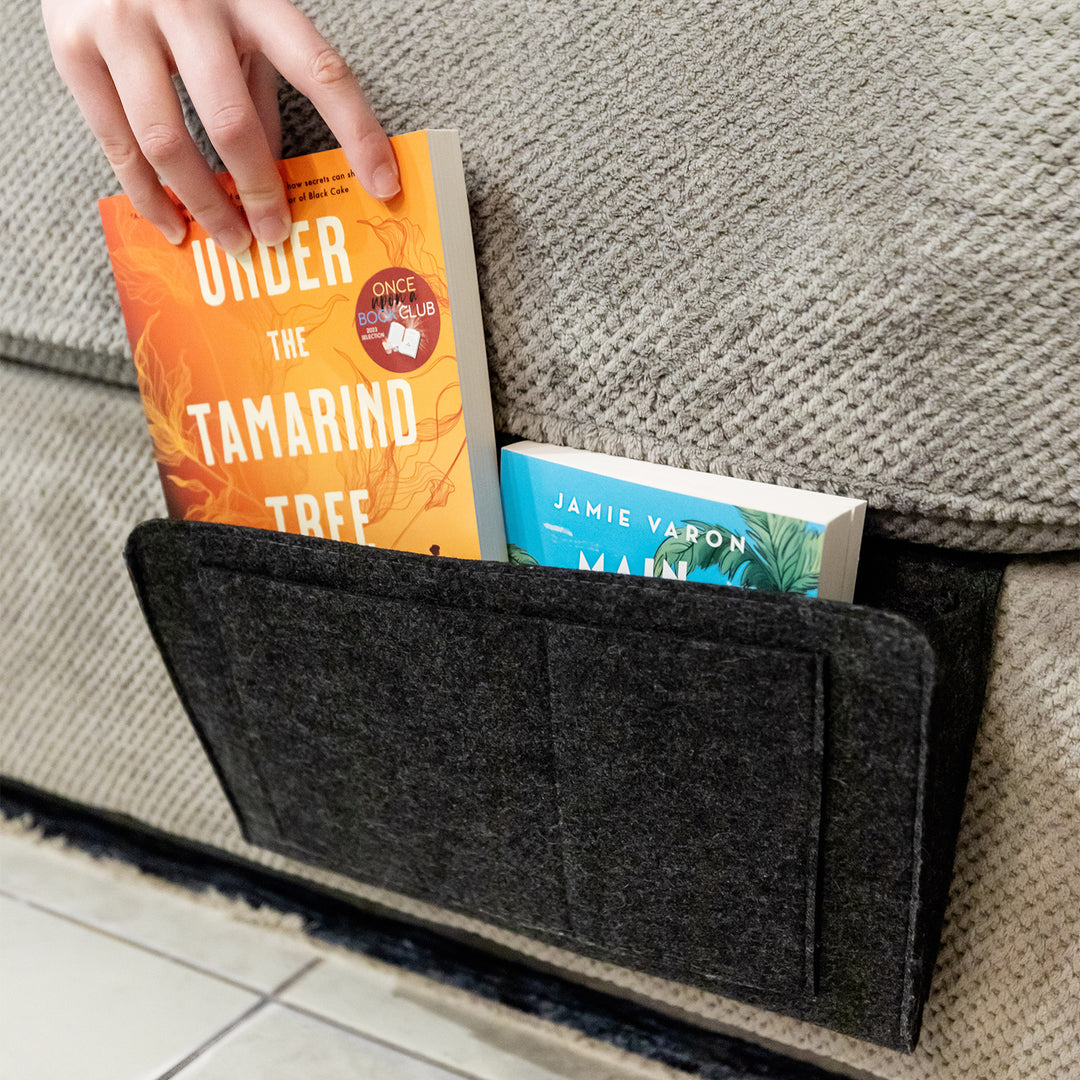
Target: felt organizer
x,y
754,793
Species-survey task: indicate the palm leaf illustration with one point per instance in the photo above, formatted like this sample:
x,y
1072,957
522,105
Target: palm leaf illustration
x,y
782,554
697,554
520,556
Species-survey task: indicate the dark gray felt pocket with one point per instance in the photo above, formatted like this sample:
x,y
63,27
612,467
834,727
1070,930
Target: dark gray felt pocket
x,y
386,750
690,792
752,793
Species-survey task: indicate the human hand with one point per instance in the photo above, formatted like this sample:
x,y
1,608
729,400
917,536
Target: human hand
x,y
118,58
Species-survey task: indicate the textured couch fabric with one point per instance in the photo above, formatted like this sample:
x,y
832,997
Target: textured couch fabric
x,y
831,246
88,713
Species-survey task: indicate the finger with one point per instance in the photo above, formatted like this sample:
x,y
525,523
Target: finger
x,y
293,45
92,87
206,58
263,83
144,84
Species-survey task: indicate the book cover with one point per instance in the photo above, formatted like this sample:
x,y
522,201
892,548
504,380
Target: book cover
x,y
580,510
334,385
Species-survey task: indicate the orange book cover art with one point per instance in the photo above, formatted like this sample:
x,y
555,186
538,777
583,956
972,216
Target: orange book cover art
x,y
310,387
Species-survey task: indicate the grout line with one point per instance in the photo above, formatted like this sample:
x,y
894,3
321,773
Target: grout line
x,y
265,997
176,1069
189,964
453,1070
679,1043
295,977
264,1000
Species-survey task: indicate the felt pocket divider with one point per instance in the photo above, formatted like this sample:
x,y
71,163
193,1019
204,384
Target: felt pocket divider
x,y
753,793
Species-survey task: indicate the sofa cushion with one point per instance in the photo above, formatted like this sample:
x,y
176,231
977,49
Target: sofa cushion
x,y
89,715
833,247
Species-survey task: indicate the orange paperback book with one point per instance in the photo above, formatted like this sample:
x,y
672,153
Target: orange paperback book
x,y
334,385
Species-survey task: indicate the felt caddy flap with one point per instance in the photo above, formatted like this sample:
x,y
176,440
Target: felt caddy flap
x,y
748,792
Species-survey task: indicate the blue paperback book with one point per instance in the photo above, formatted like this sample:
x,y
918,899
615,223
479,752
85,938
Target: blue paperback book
x,y
580,510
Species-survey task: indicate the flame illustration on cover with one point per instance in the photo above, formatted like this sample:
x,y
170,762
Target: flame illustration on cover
x,y
312,387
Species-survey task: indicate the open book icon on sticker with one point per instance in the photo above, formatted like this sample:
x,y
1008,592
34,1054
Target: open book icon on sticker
x,y
402,340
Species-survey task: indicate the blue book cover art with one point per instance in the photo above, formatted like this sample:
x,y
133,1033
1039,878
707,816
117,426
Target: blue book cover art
x,y
557,515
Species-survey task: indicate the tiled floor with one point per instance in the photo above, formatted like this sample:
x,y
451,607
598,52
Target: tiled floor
x,y
106,974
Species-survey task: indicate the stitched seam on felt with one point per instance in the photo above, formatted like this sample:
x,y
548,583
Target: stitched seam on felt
x,y
252,738
815,855
435,897
428,566
568,908
907,1001
810,830
452,901
282,840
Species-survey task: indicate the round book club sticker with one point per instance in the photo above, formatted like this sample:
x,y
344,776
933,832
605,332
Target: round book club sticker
x,y
397,319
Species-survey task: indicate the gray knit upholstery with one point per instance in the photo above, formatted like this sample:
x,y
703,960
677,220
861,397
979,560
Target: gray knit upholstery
x,y
87,712
835,246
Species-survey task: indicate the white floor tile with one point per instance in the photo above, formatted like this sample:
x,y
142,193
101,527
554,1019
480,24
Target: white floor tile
x,y
163,920
78,1005
458,1030
279,1044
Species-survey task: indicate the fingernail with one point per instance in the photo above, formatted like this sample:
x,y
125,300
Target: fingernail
x,y
175,234
385,182
235,241
272,229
